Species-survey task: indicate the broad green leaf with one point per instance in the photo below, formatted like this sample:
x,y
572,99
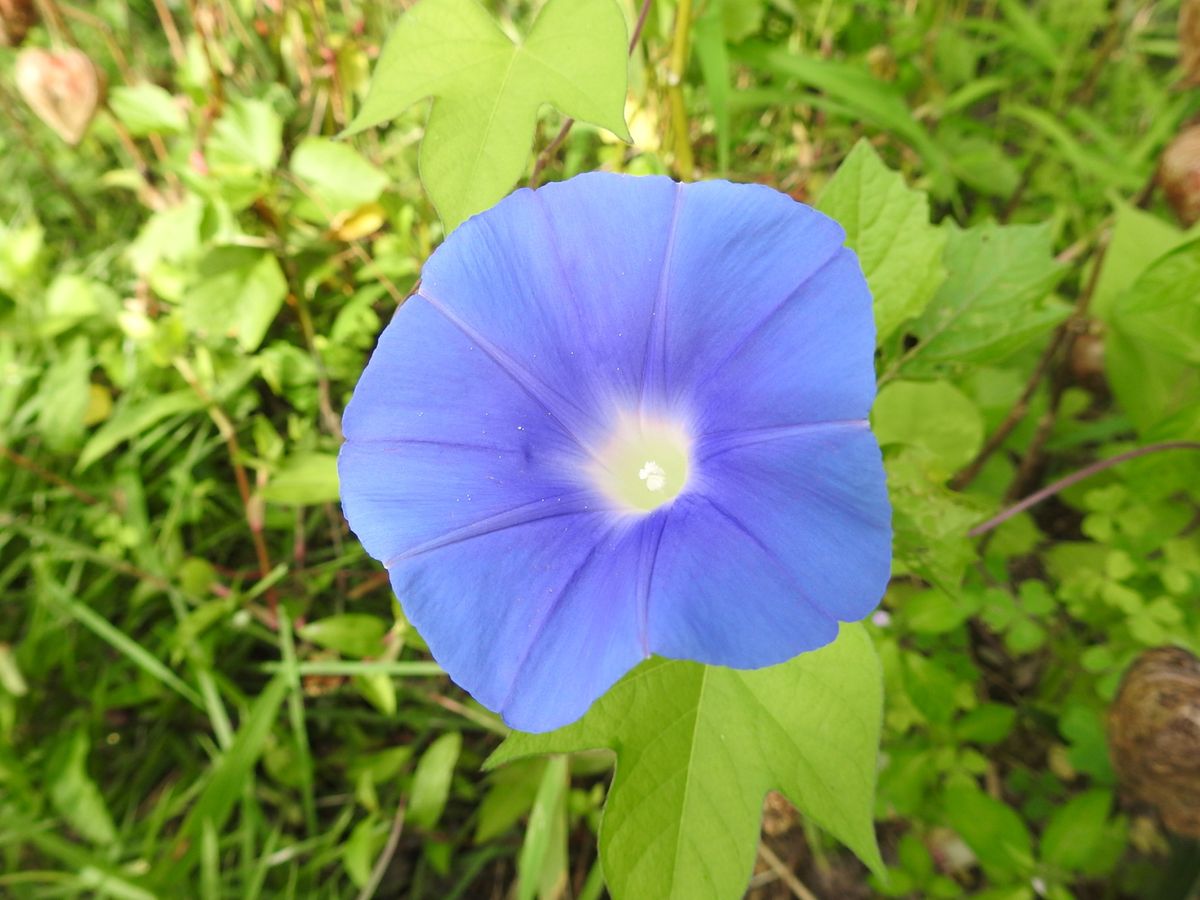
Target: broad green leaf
x,y
362,847
73,300
887,225
929,520
146,108
171,234
337,174
931,414
699,746
1075,839
74,794
740,18
933,611
237,293
1138,239
354,634
487,90
513,791
988,723
992,830
303,480
249,135
431,781
995,299
63,395
379,690
1152,347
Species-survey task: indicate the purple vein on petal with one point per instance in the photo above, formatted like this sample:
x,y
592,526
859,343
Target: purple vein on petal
x,y
551,608
654,361
652,535
552,240
773,312
534,511
558,407
741,526
715,443
400,443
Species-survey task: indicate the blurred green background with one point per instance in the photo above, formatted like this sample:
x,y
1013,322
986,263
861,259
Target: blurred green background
x,y
206,688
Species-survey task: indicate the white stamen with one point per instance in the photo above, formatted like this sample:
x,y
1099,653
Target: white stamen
x,y
654,476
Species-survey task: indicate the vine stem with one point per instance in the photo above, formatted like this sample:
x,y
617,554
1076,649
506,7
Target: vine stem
x,y
543,159
1074,478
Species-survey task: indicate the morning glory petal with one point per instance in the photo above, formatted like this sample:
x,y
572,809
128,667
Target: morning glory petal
x,y
774,523
738,254
623,416
567,301
808,360
536,621
440,438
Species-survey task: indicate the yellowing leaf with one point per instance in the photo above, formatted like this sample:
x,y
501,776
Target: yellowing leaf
x,y
488,90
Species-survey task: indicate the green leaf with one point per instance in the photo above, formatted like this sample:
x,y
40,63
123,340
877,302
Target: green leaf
x,y
1138,239
488,90
249,135
146,108
513,791
303,480
72,300
988,723
361,848
543,853
74,794
698,747
131,419
1162,307
995,299
935,612
992,830
887,225
354,634
337,174
431,781
931,414
740,18
238,292
930,521
1152,346
63,396
1077,832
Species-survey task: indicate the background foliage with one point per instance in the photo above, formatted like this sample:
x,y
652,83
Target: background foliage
x,y
206,687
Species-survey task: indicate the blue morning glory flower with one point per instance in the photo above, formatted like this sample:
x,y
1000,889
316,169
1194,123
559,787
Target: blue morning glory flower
x,y
622,417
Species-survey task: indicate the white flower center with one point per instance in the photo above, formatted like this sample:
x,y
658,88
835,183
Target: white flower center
x,y
644,464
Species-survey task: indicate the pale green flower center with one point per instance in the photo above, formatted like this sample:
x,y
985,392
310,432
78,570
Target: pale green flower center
x,y
645,464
